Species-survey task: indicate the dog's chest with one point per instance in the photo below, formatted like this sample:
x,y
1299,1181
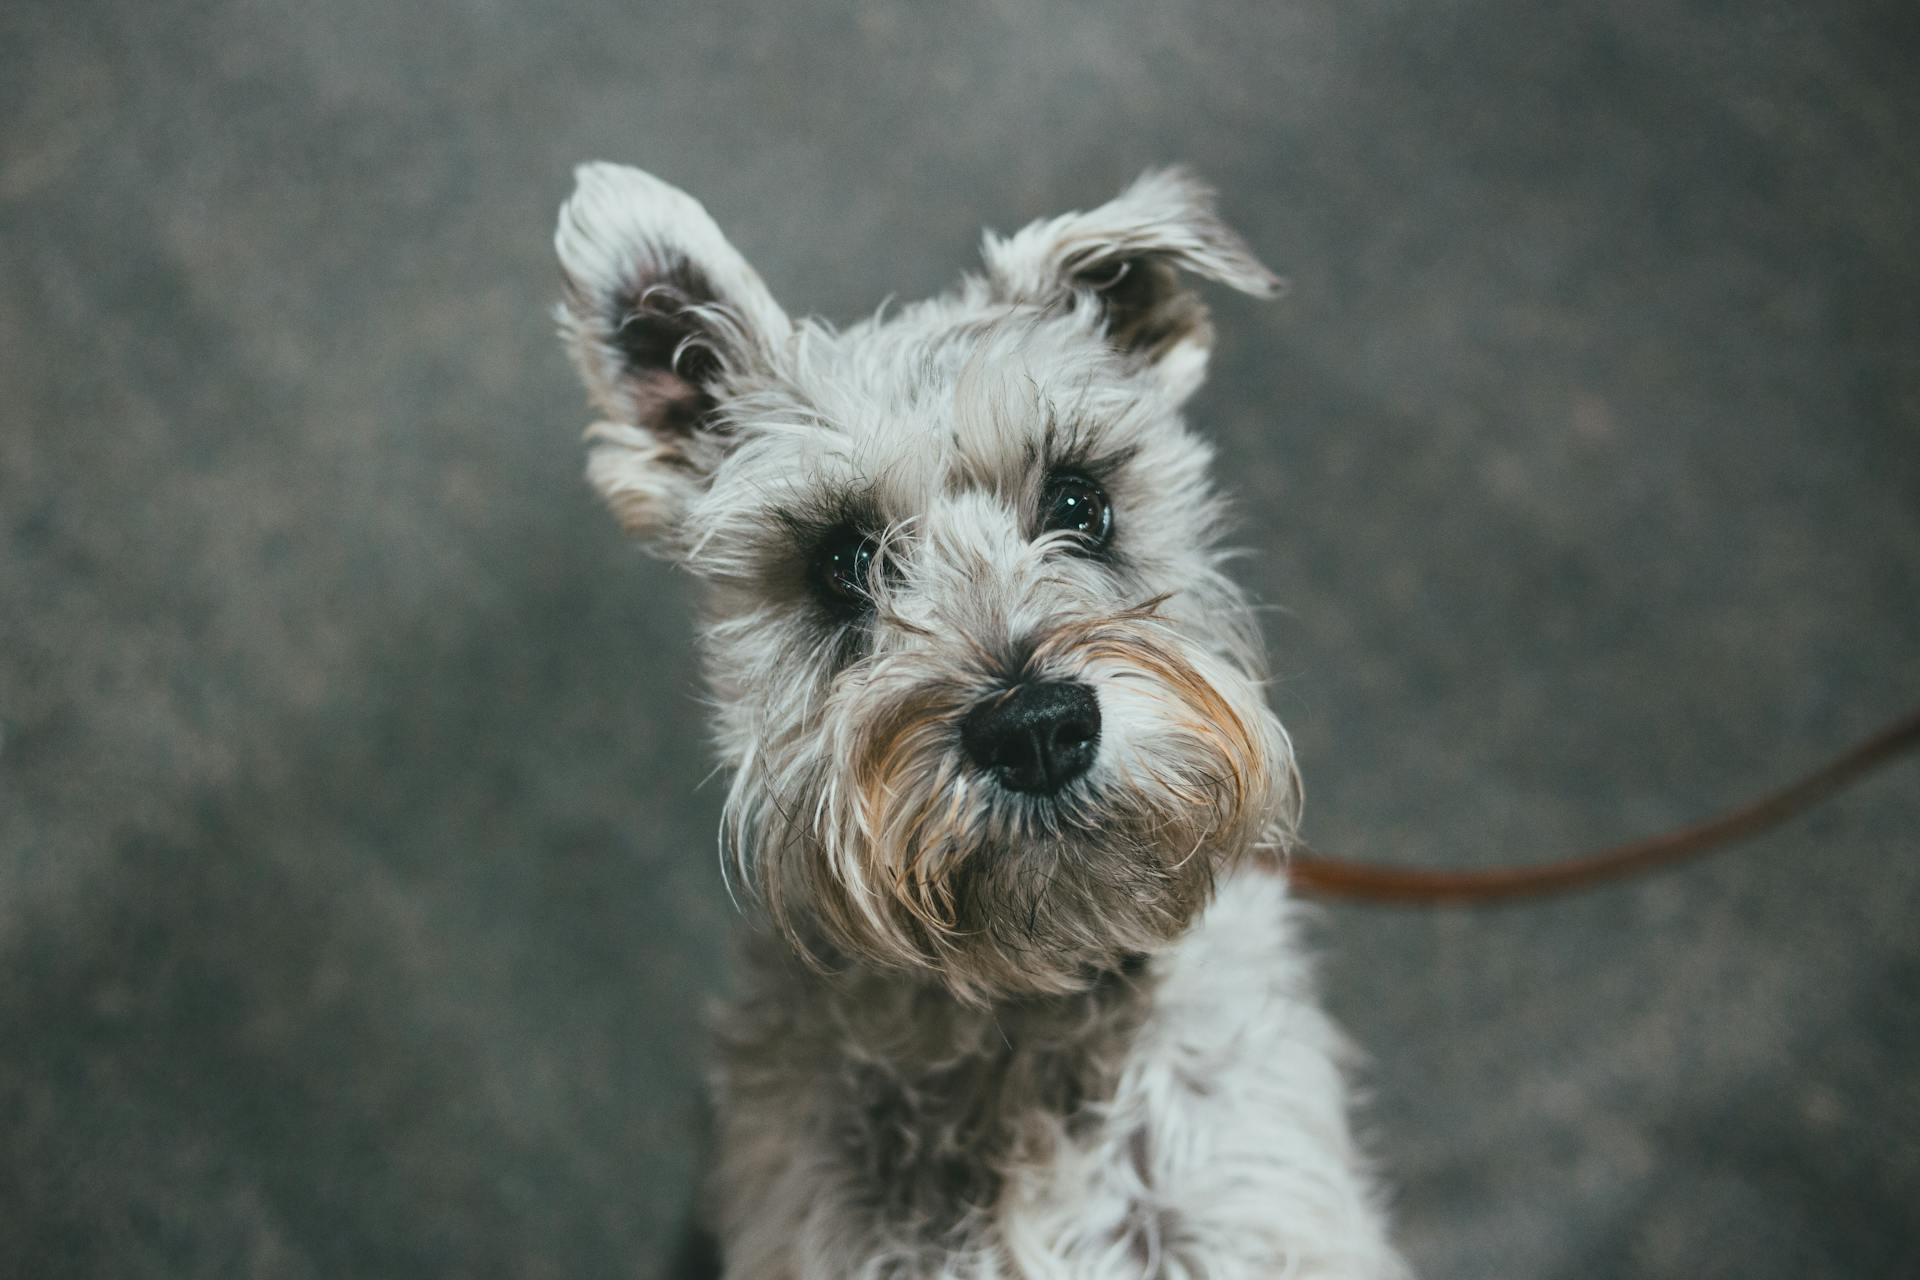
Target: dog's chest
x,y
932,1141
1165,1115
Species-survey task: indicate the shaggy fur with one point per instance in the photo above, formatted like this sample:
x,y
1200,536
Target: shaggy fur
x,y
985,1033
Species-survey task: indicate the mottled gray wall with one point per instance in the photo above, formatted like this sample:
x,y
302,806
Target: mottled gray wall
x,y
357,884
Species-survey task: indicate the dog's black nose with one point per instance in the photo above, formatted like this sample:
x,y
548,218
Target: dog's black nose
x,y
1035,737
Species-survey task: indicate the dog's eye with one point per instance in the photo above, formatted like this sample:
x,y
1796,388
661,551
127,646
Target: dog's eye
x,y
1077,504
842,565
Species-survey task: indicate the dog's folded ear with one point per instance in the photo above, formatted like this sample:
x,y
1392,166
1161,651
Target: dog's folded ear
x,y
659,312
1125,257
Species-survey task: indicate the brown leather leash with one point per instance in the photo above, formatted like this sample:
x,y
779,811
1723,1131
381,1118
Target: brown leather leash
x,y
1322,876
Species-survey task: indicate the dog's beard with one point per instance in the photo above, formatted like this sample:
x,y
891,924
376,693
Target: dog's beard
x,y
881,842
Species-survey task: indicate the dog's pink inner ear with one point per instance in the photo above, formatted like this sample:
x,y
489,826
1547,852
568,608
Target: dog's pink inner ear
x,y
1147,310
662,331
670,406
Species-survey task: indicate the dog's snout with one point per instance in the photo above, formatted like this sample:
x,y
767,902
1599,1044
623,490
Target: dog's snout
x,y
1035,737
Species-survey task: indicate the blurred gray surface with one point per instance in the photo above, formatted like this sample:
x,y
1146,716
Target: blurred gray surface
x,y
357,887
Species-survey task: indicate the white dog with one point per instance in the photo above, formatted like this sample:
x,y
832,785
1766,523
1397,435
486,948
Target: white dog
x,y
1020,1004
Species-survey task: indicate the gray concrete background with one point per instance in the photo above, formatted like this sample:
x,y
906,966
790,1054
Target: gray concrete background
x,y
357,889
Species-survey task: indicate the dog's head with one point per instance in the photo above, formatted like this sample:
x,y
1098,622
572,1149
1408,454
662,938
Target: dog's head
x,y
994,713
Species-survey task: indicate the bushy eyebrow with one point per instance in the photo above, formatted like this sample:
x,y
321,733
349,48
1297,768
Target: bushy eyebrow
x,y
1089,461
1064,439
1074,445
809,518
1068,442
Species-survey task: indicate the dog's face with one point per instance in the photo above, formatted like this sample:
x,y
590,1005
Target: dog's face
x,y
993,712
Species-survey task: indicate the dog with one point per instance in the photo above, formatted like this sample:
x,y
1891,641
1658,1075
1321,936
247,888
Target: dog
x,y
1021,998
